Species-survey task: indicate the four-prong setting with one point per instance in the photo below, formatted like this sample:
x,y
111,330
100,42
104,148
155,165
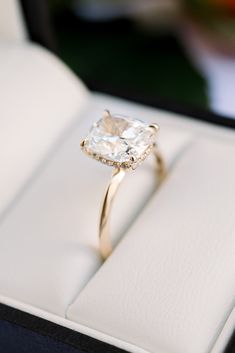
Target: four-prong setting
x,y
155,127
82,143
120,141
106,114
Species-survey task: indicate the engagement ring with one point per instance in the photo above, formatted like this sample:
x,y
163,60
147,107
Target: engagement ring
x,y
122,143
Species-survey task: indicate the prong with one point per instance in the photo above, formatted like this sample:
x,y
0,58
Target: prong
x,y
82,143
154,126
106,114
133,159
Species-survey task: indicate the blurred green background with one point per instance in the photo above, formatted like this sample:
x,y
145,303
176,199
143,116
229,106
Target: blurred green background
x,y
122,56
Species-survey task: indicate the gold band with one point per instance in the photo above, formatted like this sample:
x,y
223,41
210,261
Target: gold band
x,y
116,179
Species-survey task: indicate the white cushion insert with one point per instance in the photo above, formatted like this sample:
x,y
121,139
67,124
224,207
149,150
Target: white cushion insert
x,y
49,237
12,25
40,98
169,286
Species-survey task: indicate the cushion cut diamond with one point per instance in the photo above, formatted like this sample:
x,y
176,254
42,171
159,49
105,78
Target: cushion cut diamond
x,y
119,139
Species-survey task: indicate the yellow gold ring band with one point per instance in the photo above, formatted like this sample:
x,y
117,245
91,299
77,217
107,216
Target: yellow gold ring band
x,y
123,143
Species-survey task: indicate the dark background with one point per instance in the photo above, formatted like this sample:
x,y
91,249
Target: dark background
x,y
119,56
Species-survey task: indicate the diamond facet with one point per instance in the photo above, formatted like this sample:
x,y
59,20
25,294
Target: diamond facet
x,y
119,139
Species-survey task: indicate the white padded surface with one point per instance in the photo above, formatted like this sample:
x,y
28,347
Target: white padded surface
x,y
170,285
49,239
40,98
12,25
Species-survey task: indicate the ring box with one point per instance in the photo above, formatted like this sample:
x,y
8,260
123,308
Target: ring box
x,y
169,285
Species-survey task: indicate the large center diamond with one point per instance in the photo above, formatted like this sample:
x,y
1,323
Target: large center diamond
x,y
119,139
